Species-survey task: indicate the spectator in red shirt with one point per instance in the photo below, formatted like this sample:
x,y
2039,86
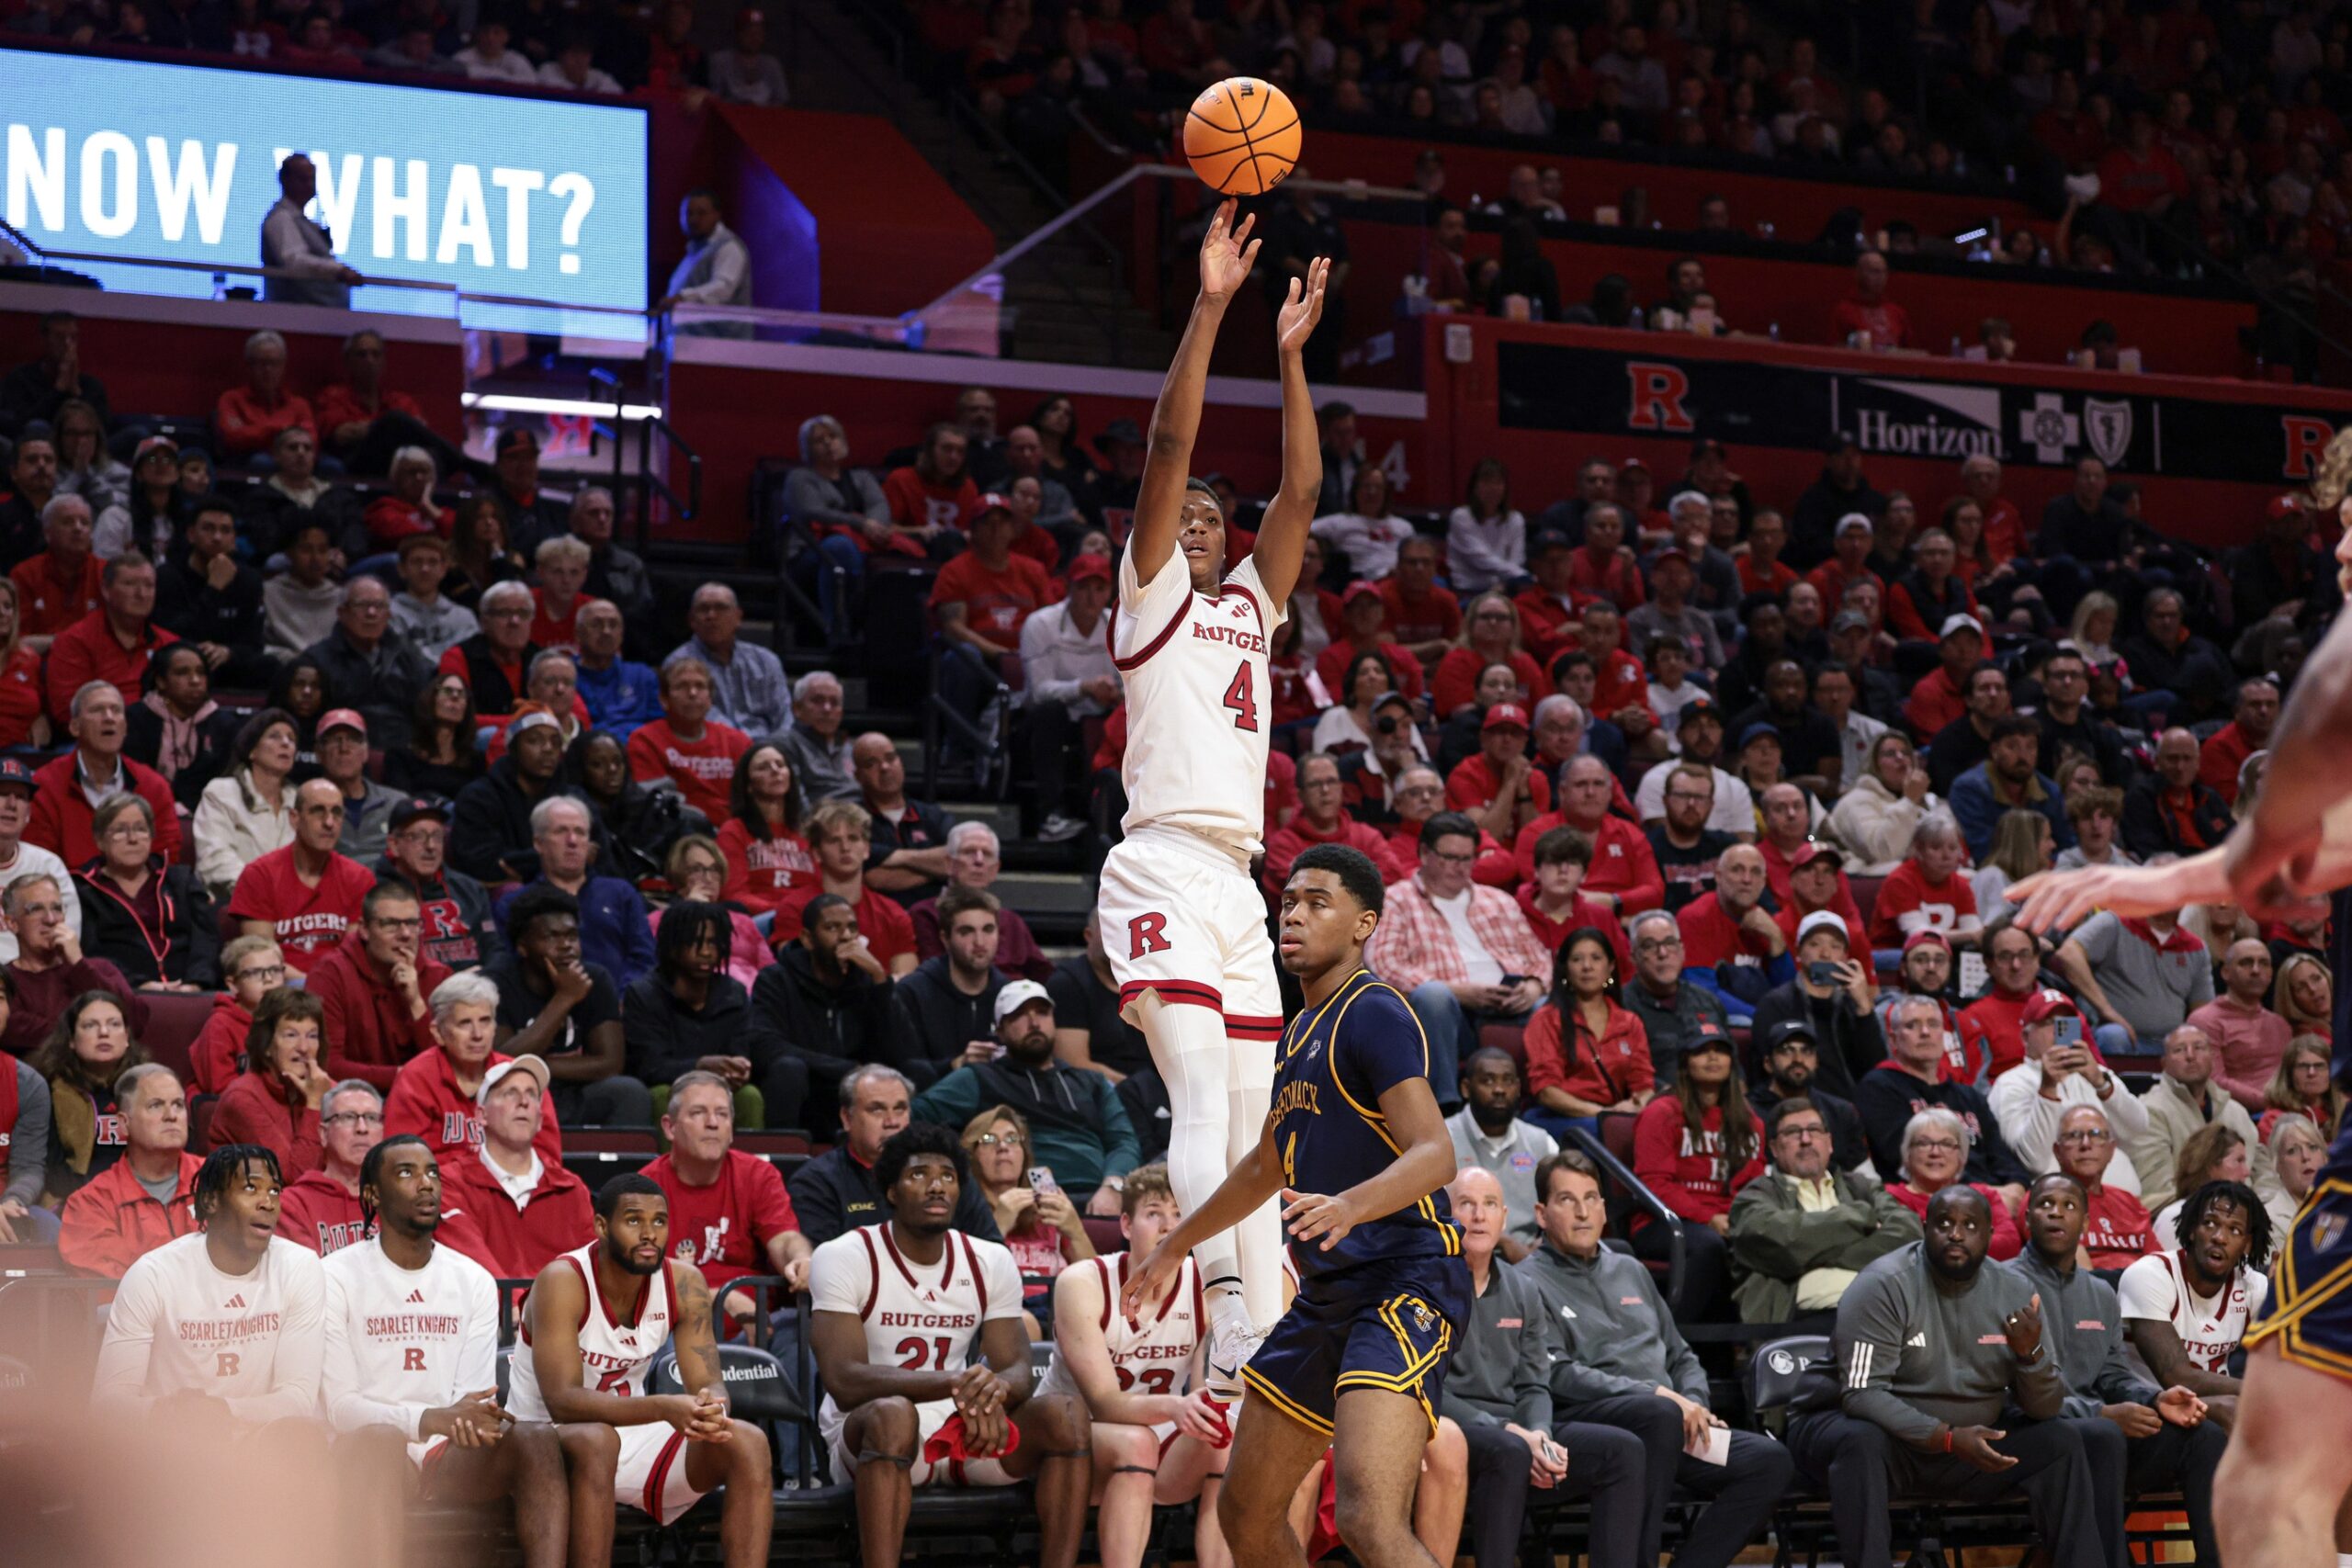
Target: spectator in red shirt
x,y
1941,696
1729,925
434,1096
767,857
1816,882
530,1210
2013,958
62,789
557,601
1696,1148
2141,179
1927,892
1423,616
112,643
2118,1232
275,1102
1549,610
1605,566
1625,874
1499,787
2226,748
1586,1056
247,419
114,1220
729,1215
1176,45
1850,562
1620,686
1554,904
62,583
1490,636
930,500
1761,571
1364,629
1868,310
980,600
362,421
1322,818
375,983
408,507
253,968
684,745
304,897
840,831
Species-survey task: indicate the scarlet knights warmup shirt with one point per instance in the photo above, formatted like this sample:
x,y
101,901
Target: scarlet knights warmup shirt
x,y
724,1228
704,768
179,1325
306,923
399,1341
2211,1327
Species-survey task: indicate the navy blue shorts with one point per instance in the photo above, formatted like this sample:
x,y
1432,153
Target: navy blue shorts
x,y
1391,1325
2309,1315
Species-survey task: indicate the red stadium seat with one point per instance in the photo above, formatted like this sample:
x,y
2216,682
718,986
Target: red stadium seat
x,y
1102,1231
174,1020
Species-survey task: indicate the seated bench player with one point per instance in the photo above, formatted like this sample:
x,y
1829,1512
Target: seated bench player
x,y
954,1403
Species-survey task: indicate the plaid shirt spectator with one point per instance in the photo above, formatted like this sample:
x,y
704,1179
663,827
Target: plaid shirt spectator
x,y
1413,945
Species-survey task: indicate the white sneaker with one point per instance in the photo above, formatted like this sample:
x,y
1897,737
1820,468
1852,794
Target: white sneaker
x,y
1058,828
1232,1341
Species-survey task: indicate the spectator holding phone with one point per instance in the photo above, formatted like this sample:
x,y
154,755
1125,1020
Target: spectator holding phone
x,y
2063,1069
1041,1225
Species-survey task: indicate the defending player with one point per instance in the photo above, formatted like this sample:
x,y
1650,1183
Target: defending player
x,y
604,1310
412,1357
918,1338
223,1322
1182,925
1357,1149
1154,1442
2280,1497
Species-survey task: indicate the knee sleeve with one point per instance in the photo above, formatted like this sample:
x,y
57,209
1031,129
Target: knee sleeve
x,y
1189,1046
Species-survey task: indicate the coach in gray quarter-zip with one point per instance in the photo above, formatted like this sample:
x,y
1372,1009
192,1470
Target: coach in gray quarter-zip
x,y
1934,1347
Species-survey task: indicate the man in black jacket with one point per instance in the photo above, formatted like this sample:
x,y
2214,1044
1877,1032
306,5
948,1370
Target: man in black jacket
x,y
555,1005
1911,1081
1792,1057
836,1193
2171,811
948,1006
369,668
2166,655
1842,489
2068,720
1837,1013
827,1001
213,600
460,929
490,831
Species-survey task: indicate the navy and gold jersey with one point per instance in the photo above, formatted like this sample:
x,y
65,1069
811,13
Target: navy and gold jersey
x,y
1335,1063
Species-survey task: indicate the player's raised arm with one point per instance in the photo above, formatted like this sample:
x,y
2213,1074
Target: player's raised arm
x,y
1248,1184
2273,855
1226,261
1281,533
1428,1163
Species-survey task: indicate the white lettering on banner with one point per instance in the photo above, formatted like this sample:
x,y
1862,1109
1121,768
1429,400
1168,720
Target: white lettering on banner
x,y
192,180
109,147
1877,431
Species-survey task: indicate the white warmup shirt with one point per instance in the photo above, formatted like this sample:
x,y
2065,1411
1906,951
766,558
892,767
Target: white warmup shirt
x,y
179,1324
403,1341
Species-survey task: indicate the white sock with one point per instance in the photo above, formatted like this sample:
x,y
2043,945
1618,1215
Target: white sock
x,y
1188,1047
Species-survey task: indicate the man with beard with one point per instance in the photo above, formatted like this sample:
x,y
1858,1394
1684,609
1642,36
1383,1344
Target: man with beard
x,y
2005,782
887,1397
1968,738
1687,848
1792,1058
1489,1133
2138,1437
1078,1129
2186,1311
1810,745
224,1320
411,1357
1700,728
607,1308
460,932
826,999
1931,1348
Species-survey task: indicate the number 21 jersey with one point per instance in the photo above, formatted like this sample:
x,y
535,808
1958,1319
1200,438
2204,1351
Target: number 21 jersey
x,y
1199,702
917,1317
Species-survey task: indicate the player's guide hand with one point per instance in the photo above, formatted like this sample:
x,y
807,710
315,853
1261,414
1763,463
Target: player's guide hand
x,y
1148,1279
1306,1215
474,1422
977,1390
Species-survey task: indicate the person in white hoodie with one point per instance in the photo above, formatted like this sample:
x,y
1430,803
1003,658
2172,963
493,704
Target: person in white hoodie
x,y
2029,1098
1876,817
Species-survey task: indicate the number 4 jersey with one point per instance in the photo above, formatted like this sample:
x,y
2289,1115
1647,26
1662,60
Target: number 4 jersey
x,y
1199,705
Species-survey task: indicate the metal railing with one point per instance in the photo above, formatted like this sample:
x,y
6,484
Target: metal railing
x,y
650,481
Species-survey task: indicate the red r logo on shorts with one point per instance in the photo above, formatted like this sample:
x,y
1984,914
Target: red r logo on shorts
x,y
1143,935
226,1364
412,1358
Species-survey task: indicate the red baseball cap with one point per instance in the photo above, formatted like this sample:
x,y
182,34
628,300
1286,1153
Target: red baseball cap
x,y
2047,1003
994,501
1358,588
1089,566
1926,939
342,718
1505,716
1809,853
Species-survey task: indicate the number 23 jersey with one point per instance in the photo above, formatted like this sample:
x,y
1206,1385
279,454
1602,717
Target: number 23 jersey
x,y
1199,702
917,1317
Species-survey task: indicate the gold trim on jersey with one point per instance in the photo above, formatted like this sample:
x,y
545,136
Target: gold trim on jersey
x,y
2285,1318
1283,1403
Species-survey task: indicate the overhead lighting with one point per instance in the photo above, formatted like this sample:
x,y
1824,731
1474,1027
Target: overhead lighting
x,y
515,403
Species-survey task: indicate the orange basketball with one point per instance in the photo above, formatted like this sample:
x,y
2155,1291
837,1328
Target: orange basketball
x,y
1241,136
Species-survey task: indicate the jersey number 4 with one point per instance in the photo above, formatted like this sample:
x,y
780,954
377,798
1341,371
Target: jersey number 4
x,y
915,1354
1241,696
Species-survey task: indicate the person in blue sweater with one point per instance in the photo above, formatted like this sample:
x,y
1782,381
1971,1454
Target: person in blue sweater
x,y
620,694
2005,782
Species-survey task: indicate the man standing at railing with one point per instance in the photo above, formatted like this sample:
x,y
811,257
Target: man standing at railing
x,y
716,269
291,242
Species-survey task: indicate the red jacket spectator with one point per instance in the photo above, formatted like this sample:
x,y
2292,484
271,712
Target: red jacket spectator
x,y
1404,670
2000,1020
20,697
308,923
1287,843
995,602
247,425
48,603
258,1107
1436,616
1472,787
2117,1230
214,1060
1710,936
1583,912
1935,701
549,630
1497,867
2133,181
1776,579
1616,577
1693,1176
426,1101
556,1216
315,1211
723,1229
62,812
2007,1240
1618,681
88,650
1455,684
916,503
1614,1068
882,921
1623,862
370,1033
111,1223
338,405
762,872
2004,531
2225,753
38,998
1831,581
704,768
1904,618
1545,625
390,520
1906,890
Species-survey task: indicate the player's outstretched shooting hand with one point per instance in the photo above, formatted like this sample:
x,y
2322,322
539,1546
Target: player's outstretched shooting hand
x,y
1225,260
1309,1215
1295,323
1154,1275
2062,900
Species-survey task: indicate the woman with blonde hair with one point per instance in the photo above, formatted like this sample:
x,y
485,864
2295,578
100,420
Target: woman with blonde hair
x,y
2303,993
2022,846
1035,1217
1879,813
2296,1152
22,723
2212,1152
1490,635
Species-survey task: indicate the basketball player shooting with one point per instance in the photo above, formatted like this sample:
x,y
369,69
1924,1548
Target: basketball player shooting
x,y
1182,923
2281,1497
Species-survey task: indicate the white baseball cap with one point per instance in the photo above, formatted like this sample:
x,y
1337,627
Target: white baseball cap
x,y
489,1080
1019,994
1822,919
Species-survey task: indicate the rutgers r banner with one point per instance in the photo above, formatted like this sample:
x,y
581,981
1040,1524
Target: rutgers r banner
x,y
1910,417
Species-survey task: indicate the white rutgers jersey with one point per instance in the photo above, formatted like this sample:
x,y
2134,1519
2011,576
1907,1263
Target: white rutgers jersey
x,y
1148,1353
2211,1327
1199,704
403,1341
613,1356
917,1317
178,1325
